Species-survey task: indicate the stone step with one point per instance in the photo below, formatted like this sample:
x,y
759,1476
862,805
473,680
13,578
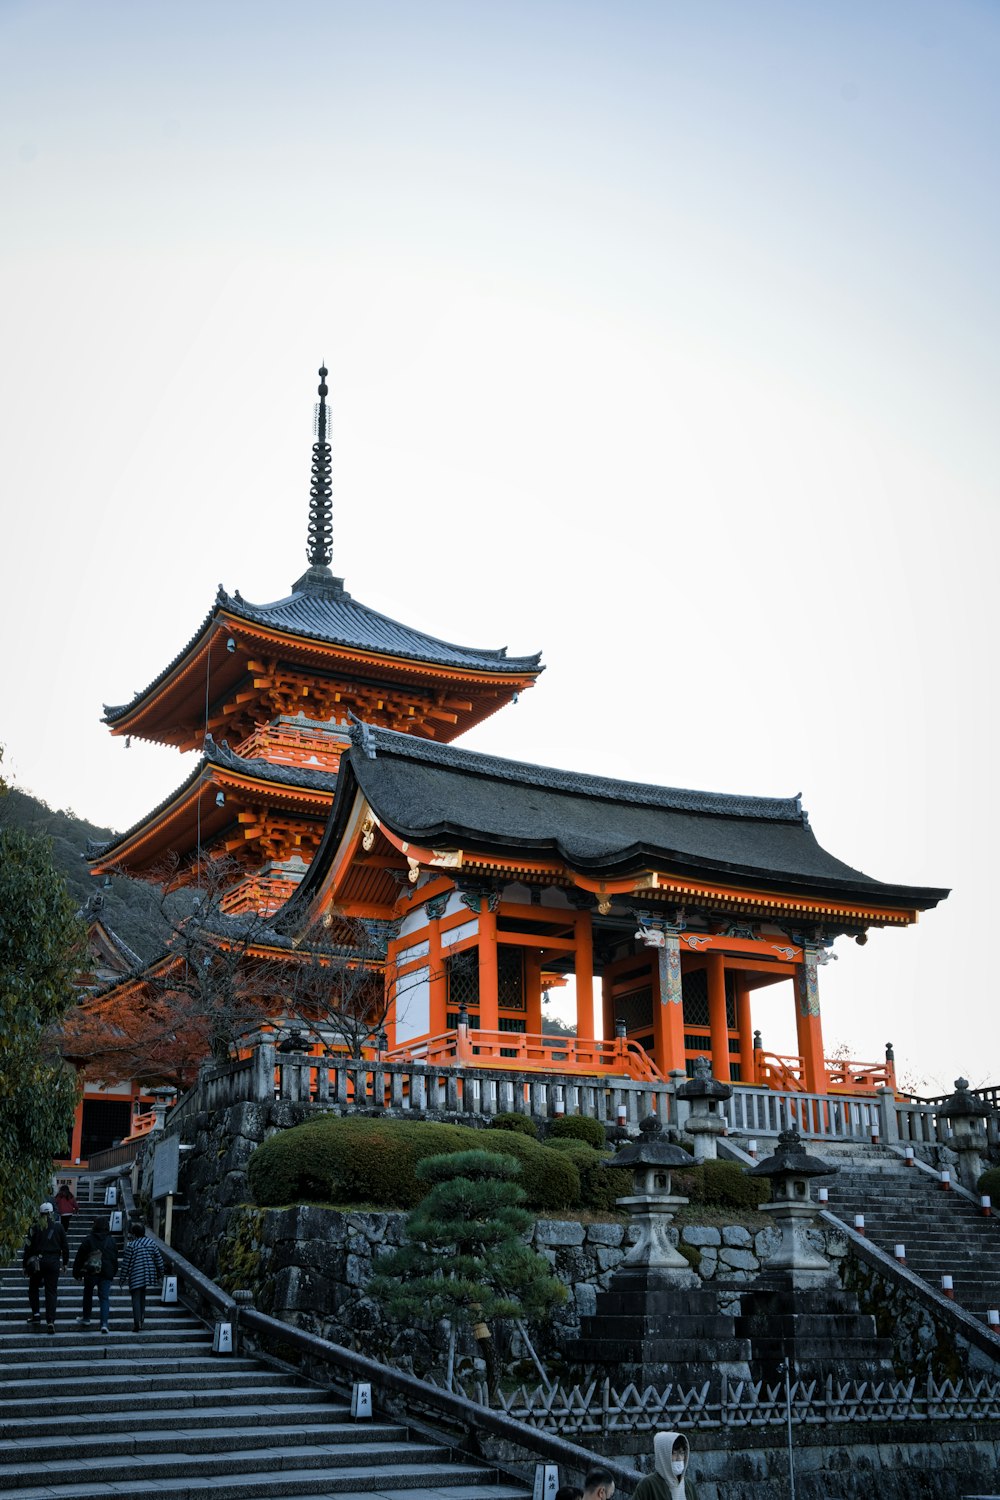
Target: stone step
x,y
232,1477
202,1419
455,1481
21,1331
124,1382
86,1404
55,1374
92,1450
101,1348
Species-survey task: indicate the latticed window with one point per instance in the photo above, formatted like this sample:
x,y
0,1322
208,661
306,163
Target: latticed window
x,y
635,1009
510,978
462,970
694,987
512,1023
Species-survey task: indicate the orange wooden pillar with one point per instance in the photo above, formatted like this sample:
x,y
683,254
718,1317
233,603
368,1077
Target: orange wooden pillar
x,y
77,1141
808,1027
717,1020
583,934
489,1019
744,1024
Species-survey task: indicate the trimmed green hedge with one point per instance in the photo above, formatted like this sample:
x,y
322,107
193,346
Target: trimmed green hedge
x,y
579,1128
600,1185
521,1124
723,1184
351,1159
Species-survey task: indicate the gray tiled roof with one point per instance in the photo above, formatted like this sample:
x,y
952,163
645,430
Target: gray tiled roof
x,y
221,755
327,612
442,797
323,610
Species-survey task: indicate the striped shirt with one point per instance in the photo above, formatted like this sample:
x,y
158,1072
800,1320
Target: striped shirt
x,y
142,1263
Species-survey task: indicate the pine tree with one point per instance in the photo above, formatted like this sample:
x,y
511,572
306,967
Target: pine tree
x,y
465,1260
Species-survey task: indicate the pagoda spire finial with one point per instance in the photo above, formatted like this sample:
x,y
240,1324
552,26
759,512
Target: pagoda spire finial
x,y
320,545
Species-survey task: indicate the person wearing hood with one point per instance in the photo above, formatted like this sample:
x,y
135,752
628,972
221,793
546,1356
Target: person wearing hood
x,y
670,1480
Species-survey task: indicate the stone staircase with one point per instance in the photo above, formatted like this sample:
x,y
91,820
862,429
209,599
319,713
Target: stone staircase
x,y
129,1415
944,1234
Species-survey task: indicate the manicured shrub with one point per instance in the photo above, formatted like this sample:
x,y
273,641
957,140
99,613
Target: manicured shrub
x,y
990,1183
600,1184
350,1159
721,1184
579,1128
549,1180
522,1124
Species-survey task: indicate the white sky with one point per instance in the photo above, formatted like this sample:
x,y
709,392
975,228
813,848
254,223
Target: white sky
x,y
662,337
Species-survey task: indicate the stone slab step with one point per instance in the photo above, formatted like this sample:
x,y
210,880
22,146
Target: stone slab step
x,y
54,1376
124,1384
187,1459
93,1450
161,1417
265,1484
287,1393
87,1344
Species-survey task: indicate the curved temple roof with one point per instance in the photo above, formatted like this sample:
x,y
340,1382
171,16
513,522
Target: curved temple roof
x,y
225,759
321,610
446,798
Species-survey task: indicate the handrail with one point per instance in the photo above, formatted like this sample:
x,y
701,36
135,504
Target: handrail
x,y
471,1417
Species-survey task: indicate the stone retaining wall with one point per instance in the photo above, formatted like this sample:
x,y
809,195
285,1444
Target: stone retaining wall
x,y
312,1264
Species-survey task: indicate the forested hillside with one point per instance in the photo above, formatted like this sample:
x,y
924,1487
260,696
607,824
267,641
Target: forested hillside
x,y
130,906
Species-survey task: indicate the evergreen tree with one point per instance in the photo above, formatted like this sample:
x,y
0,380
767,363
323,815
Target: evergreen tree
x,y
465,1259
41,942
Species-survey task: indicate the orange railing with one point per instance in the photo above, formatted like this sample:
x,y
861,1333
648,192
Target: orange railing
x,y
778,1071
785,1073
141,1126
843,1077
511,1049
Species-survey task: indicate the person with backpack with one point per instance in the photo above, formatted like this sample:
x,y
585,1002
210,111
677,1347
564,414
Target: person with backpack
x,y
95,1264
47,1249
142,1267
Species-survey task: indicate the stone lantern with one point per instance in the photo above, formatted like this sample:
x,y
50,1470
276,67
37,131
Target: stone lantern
x,y
790,1172
796,1314
704,1095
163,1100
651,1159
965,1115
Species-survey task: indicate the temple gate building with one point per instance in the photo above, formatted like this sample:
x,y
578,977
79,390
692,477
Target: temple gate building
x,y
327,784
500,876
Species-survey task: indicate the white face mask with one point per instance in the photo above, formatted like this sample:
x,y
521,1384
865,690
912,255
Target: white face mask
x,y
678,1466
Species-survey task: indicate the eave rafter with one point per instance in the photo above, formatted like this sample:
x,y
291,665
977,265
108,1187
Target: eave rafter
x,y
251,675
651,886
268,819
